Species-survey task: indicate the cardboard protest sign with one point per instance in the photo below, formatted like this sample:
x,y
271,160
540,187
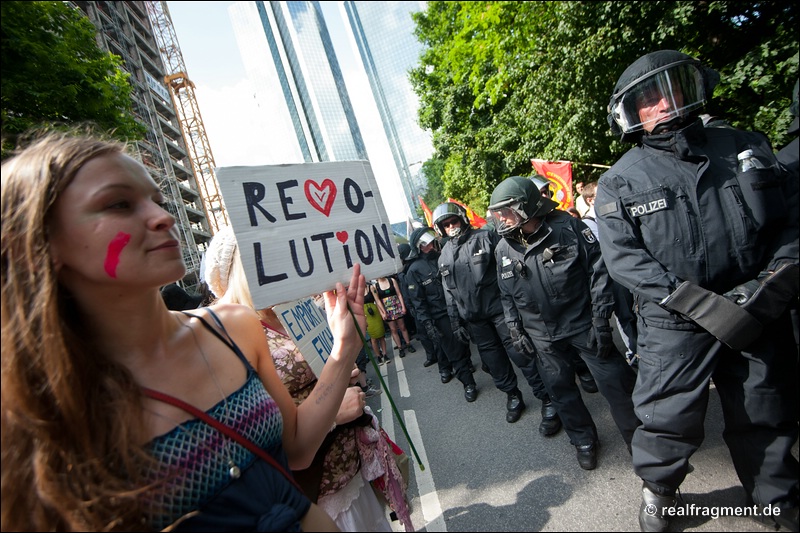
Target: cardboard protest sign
x,y
301,228
307,327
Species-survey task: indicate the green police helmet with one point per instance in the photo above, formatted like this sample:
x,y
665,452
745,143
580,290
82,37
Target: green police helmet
x,y
515,201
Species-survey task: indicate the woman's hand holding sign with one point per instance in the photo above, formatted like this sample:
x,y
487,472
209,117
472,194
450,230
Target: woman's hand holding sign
x,y
339,305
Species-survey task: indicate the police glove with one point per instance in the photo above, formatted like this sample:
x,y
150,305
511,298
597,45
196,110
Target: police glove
x,y
768,296
716,314
432,332
601,334
460,331
741,295
522,343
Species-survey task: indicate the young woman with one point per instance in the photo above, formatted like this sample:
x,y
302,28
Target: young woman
x,y
87,243
392,307
339,480
375,328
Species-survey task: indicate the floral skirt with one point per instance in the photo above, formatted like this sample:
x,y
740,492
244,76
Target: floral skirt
x,y
393,308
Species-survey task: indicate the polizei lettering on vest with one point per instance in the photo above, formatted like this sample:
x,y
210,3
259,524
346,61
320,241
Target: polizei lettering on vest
x,y
649,207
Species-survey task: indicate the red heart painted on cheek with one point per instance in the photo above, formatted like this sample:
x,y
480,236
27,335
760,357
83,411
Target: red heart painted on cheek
x,y
342,236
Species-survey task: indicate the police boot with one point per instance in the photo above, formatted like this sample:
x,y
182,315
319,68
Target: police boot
x,y
551,423
470,392
786,520
514,406
651,512
587,455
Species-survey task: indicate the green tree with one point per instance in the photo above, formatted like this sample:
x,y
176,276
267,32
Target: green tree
x,y
55,75
433,169
502,82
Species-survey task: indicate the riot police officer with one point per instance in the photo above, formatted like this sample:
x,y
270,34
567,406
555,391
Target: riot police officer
x,y
404,250
557,301
469,277
427,298
586,379
710,250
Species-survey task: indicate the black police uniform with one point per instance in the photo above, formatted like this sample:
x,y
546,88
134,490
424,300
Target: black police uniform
x,y
427,297
469,275
675,209
553,286
422,337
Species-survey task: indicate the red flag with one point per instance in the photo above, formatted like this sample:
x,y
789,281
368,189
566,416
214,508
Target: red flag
x,y
560,175
427,211
475,220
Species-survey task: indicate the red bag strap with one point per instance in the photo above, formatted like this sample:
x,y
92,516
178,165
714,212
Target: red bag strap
x,y
222,428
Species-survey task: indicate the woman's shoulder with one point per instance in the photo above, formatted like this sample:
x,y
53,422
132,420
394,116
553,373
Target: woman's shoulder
x,y
240,321
230,315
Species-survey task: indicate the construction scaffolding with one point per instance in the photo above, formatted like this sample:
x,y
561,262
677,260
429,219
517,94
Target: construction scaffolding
x,y
184,100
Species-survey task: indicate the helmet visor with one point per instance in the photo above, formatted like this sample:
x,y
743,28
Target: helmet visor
x,y
425,239
660,97
507,216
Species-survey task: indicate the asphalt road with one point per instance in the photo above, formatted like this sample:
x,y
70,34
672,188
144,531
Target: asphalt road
x,y
484,474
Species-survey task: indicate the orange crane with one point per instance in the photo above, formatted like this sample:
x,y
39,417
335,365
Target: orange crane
x,y
184,100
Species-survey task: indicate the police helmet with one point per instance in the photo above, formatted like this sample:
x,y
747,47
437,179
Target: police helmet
x,y
404,249
672,79
419,237
445,211
543,184
515,201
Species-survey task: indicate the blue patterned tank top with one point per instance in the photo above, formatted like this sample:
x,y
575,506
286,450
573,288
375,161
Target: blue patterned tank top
x,y
192,462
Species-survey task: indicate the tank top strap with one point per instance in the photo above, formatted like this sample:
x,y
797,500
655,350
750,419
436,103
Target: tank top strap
x,y
226,339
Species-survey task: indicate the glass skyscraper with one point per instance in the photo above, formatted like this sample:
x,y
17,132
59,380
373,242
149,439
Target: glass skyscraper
x,y
288,54
387,46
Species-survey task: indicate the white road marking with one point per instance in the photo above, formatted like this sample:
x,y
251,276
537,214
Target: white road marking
x,y
402,381
428,497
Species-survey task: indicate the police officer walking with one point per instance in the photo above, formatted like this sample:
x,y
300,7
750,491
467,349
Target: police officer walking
x,y
557,300
469,275
427,298
700,222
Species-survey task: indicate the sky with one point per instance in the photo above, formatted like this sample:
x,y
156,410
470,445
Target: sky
x,y
225,96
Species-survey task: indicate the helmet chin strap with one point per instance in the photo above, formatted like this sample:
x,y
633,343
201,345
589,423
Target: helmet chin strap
x,y
669,125
527,236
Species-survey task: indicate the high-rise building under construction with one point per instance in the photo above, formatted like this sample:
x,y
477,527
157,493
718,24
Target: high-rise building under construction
x,y
124,29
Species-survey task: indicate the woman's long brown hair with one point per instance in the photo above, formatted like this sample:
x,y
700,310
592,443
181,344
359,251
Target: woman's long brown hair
x,y
71,418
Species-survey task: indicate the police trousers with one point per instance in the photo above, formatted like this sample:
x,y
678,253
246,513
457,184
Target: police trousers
x,y
615,381
496,349
758,392
453,356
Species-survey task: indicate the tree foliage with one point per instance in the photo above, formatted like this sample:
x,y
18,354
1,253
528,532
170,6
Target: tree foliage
x,y
54,74
503,82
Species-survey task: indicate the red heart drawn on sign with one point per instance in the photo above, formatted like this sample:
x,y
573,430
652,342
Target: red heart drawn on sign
x,y
342,236
321,196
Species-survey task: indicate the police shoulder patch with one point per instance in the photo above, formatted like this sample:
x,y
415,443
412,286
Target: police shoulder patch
x,y
588,235
606,208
